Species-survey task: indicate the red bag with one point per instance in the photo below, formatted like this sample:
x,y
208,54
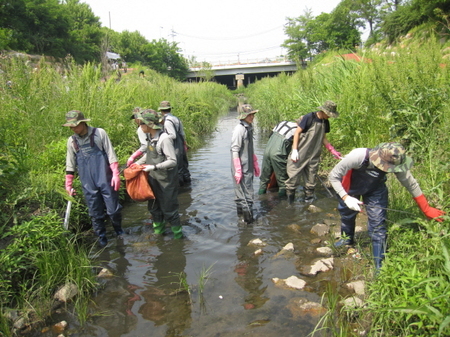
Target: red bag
x,y
347,180
137,185
273,181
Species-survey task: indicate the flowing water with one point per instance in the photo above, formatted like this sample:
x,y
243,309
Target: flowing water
x,y
147,295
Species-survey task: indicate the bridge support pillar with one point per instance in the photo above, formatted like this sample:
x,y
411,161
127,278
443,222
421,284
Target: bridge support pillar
x,y
240,80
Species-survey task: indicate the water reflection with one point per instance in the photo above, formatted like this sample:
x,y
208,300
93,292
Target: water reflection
x,y
167,301
249,274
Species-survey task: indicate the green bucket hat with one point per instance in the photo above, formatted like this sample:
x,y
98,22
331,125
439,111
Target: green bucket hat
x,y
75,117
246,110
136,111
151,118
329,107
164,105
390,157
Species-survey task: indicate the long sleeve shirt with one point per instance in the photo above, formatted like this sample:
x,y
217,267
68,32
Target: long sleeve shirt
x,y
355,160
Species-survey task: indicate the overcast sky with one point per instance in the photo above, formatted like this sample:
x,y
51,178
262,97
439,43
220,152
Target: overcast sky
x,y
213,31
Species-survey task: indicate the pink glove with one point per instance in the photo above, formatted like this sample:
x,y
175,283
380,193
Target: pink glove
x,y
256,166
133,157
430,212
69,182
115,181
185,147
332,150
237,170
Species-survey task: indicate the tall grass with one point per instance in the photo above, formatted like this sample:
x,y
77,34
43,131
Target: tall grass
x,y
32,162
399,94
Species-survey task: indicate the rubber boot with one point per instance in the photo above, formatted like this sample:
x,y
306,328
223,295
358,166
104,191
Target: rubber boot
x,y
262,191
116,220
248,216
290,195
282,192
239,210
102,241
309,195
159,227
344,242
378,249
177,232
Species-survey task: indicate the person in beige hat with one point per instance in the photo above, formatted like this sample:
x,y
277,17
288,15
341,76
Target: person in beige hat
x,y
244,165
361,174
174,128
304,159
91,154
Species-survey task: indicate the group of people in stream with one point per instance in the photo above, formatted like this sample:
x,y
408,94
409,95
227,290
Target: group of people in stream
x,y
292,155
162,154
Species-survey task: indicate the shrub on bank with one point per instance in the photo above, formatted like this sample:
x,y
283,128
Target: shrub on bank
x,y
399,95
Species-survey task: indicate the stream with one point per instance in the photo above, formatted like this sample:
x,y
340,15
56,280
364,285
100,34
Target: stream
x,y
211,283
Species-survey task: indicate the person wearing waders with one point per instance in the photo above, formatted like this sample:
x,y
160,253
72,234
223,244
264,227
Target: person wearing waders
x,y
361,174
275,157
304,159
244,163
174,128
161,163
141,136
90,152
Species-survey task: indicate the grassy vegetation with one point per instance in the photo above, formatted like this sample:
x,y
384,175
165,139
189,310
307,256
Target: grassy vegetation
x,y
397,94
36,255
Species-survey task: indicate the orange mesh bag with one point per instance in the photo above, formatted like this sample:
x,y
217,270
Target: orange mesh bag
x,y
136,182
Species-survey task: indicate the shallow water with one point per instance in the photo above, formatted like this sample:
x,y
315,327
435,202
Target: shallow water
x,y
144,297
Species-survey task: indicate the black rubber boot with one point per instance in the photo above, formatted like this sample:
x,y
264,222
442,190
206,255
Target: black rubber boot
x,y
378,249
309,195
248,216
116,221
239,210
290,196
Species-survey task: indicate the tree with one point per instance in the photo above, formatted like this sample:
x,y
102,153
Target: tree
x,y
84,31
298,32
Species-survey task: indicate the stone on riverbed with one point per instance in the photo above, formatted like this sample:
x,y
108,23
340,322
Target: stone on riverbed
x,y
105,272
325,250
66,292
318,266
301,306
320,229
257,242
357,287
290,282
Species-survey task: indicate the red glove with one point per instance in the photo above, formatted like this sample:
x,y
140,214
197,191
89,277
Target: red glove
x,y
430,212
133,157
256,166
69,182
332,150
237,170
115,181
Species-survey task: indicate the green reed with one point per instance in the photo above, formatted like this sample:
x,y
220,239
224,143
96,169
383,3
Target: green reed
x,y
396,94
32,163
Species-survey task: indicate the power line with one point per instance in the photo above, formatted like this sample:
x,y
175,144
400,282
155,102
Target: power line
x,y
229,38
241,52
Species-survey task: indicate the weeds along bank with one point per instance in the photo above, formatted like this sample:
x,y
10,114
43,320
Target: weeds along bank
x,y
400,94
32,161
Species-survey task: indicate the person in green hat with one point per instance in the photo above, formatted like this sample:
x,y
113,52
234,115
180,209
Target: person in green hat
x,y
304,159
174,128
161,163
90,152
362,175
244,163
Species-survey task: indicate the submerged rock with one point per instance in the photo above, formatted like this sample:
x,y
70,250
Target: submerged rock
x,y
325,250
357,286
105,272
66,292
290,282
321,265
301,306
257,242
320,229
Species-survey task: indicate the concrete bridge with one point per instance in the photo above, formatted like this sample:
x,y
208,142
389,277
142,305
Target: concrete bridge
x,y
236,75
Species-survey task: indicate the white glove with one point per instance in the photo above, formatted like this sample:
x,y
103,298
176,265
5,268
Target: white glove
x,y
294,155
149,168
353,203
